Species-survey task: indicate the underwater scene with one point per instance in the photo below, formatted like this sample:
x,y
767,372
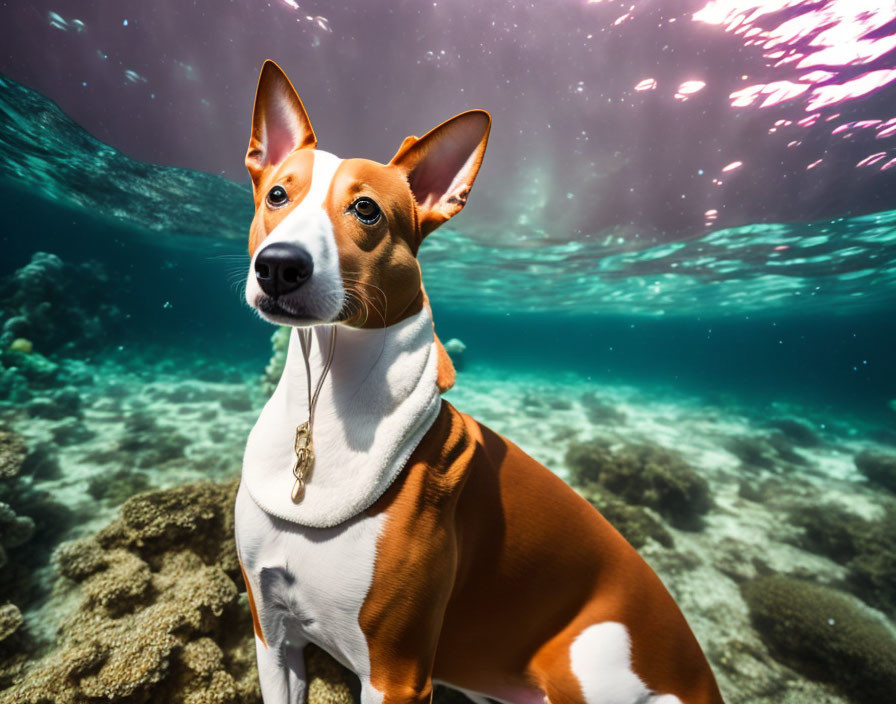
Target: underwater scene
x,y
674,286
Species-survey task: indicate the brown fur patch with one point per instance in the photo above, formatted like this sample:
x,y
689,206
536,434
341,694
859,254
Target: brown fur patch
x,y
489,566
377,262
256,623
294,174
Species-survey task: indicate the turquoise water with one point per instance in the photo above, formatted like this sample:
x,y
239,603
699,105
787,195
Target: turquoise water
x,y
712,345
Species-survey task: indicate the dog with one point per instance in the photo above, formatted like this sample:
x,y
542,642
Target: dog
x,y
416,546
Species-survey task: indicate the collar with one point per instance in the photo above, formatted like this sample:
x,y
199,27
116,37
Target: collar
x,y
375,406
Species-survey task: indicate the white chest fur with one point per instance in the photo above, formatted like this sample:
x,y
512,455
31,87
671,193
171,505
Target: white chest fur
x,y
309,583
378,401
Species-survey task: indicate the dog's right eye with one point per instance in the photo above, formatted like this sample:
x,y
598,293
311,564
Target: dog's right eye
x,y
278,197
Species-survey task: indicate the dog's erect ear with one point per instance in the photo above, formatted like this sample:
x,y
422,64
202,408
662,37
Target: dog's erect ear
x,y
279,122
442,165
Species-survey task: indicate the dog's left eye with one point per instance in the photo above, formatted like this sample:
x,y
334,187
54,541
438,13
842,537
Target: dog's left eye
x,y
277,197
366,210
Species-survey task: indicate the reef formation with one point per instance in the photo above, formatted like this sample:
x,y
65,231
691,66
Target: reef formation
x,y
749,522
161,613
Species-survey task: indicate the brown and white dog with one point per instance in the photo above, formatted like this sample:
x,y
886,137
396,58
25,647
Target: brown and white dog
x,y
426,547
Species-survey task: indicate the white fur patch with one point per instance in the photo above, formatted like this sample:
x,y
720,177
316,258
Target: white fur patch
x,y
601,659
321,298
309,585
376,404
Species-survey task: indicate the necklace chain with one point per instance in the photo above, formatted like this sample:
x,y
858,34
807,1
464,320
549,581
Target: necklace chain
x,y
304,443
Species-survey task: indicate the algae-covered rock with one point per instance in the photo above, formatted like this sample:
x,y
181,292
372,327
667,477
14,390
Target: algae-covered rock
x,y
635,523
600,412
646,475
42,462
879,468
12,453
866,548
753,452
58,306
118,486
822,634
149,444
797,431
71,431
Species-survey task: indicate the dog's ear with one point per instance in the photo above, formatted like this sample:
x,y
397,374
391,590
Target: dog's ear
x,y
442,164
279,122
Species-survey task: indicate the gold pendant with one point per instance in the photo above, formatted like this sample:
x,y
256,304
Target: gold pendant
x,y
304,460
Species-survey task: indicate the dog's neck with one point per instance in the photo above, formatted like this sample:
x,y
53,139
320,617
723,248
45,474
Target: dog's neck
x,y
378,400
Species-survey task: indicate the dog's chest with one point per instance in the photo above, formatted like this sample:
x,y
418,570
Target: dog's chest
x,y
309,584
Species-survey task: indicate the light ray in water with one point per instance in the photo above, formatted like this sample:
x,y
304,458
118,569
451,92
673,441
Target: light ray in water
x,y
832,37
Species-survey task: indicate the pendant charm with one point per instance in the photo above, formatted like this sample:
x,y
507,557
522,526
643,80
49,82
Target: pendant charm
x,y
304,460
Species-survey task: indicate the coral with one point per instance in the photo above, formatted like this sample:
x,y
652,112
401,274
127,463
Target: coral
x,y
328,681
10,620
646,475
14,530
79,559
59,307
12,453
635,523
274,369
456,349
865,547
17,530
34,369
878,468
599,412
13,386
121,585
822,634
159,520
160,618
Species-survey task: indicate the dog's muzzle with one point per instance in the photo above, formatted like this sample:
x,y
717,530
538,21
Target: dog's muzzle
x,y
282,268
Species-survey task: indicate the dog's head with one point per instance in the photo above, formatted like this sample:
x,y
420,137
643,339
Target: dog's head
x,y
335,240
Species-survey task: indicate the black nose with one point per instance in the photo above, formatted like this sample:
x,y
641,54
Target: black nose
x,y
281,267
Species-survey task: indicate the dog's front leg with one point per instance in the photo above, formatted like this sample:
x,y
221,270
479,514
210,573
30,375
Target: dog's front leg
x,y
401,690
281,671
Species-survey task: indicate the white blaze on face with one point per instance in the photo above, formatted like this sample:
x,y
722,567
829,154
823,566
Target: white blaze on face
x,y
320,298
